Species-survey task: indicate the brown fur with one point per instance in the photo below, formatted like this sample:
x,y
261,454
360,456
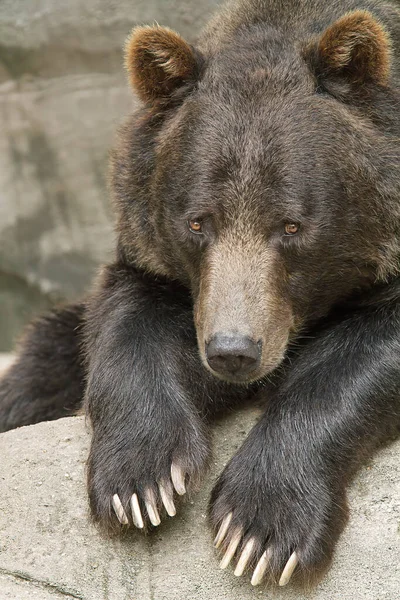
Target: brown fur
x,y
246,133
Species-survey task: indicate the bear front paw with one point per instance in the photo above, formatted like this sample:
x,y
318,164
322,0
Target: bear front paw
x,y
134,481
276,520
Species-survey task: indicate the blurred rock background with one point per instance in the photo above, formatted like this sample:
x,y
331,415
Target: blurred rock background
x,y
62,96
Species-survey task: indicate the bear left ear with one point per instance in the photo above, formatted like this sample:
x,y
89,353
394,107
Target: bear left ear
x,y
158,61
356,48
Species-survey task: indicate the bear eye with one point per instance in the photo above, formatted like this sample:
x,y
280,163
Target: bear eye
x,y
195,226
291,228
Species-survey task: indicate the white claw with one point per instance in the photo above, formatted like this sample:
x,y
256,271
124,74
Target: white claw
x,y
288,570
244,558
178,479
261,567
151,508
167,500
234,543
119,510
223,530
136,513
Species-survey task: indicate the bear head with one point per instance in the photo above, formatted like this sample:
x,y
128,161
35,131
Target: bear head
x,y
264,177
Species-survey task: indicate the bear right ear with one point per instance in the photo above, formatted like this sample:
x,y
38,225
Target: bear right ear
x,y
355,48
158,61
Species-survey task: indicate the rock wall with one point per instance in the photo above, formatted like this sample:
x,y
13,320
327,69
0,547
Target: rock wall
x,y
62,95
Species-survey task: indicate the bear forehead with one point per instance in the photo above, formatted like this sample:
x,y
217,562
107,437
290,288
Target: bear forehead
x,y
263,177
271,142
266,63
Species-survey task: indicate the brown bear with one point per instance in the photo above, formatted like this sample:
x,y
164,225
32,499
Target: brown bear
x,y
258,200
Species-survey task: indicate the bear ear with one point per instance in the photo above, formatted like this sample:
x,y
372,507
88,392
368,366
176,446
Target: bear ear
x,y
355,48
158,61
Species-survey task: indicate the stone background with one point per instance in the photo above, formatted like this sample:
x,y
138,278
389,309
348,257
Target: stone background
x,y
62,95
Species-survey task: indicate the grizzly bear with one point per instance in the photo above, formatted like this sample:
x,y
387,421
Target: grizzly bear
x,y
257,193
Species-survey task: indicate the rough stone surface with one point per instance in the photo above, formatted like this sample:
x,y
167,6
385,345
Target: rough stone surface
x,y
62,95
48,548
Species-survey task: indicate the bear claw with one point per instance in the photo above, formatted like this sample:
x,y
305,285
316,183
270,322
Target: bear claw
x,y
223,530
167,499
119,510
151,507
261,567
288,570
136,513
244,558
230,552
178,479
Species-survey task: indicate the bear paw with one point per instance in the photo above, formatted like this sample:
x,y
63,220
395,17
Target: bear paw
x,y
278,521
133,481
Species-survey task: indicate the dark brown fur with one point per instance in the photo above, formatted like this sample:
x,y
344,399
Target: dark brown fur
x,y
285,113
47,380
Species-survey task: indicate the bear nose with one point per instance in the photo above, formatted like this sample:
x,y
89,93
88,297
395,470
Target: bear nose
x,y
233,354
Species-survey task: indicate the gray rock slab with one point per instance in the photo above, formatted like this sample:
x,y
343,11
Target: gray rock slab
x,y
49,548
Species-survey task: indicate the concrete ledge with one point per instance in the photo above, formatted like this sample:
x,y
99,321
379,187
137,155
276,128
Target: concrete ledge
x,y
48,548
